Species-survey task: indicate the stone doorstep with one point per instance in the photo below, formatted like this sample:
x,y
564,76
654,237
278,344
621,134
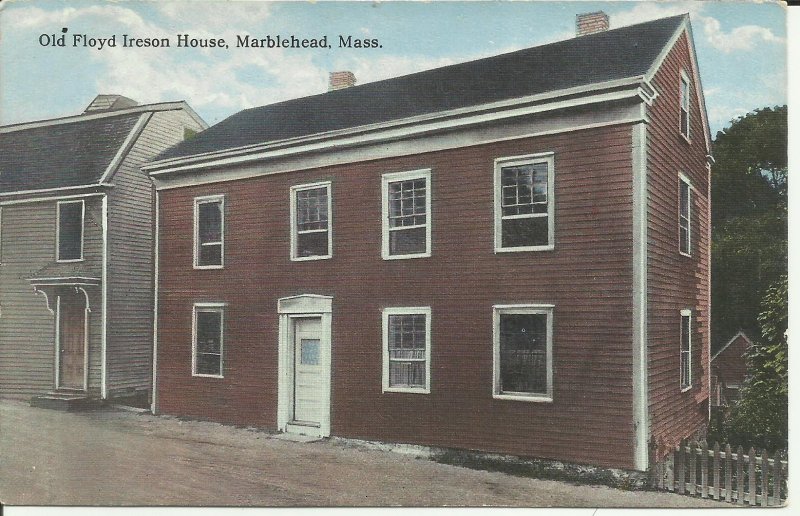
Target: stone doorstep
x,y
67,401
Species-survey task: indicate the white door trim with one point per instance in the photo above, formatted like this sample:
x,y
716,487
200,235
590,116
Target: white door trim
x,y
302,307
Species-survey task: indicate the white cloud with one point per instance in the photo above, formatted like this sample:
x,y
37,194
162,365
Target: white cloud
x,y
745,37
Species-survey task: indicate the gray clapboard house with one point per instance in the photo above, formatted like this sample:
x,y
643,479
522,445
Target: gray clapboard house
x,y
76,250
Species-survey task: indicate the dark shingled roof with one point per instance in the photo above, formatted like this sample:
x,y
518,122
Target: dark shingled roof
x,y
614,54
62,154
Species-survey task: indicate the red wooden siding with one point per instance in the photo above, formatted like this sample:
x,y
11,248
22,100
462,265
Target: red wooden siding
x,y
587,277
676,282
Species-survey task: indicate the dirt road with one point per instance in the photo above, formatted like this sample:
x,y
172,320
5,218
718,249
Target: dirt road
x,y
114,457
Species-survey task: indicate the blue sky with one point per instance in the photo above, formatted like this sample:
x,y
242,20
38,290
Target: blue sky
x,y
741,48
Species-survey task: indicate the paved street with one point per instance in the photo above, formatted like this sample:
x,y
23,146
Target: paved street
x,y
115,457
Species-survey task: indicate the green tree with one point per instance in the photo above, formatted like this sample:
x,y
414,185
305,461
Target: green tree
x,y
760,417
749,218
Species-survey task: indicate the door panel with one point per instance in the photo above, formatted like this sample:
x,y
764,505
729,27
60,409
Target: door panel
x,y
72,341
309,378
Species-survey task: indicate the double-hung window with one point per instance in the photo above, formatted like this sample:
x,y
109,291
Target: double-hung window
x,y
523,352
69,245
311,221
685,217
406,214
685,96
207,339
524,203
209,232
686,349
407,349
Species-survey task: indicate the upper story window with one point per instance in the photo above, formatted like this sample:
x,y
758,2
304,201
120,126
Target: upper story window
x,y
311,221
207,341
686,349
406,214
69,235
685,217
685,104
407,349
523,352
209,232
524,203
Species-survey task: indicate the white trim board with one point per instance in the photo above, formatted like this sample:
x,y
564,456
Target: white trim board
x,y
115,162
489,133
641,418
630,88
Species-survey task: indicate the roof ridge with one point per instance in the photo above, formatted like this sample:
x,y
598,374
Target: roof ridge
x,y
33,124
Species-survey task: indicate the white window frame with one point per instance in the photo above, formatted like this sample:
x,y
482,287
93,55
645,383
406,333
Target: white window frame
x,y
533,308
220,198
394,177
685,387
212,308
683,179
293,214
419,310
58,229
685,96
529,159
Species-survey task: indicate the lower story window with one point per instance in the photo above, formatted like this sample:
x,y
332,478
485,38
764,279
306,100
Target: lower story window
x,y
406,349
208,340
523,352
686,349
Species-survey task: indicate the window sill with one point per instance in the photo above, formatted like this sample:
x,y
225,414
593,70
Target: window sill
x,y
686,139
524,249
406,256
684,254
196,375
69,261
208,267
686,389
407,390
524,397
310,258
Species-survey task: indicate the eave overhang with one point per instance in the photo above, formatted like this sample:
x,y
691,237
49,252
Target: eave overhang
x,y
636,88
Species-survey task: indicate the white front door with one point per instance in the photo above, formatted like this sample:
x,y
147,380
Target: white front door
x,y
309,374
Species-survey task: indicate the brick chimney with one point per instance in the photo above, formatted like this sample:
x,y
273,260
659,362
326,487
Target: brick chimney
x,y
589,23
341,80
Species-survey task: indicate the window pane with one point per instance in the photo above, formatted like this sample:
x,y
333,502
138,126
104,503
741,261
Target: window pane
x,y
524,189
407,350
312,244
407,206
208,364
210,223
70,231
309,351
523,353
312,209
684,200
210,254
686,351
208,332
525,232
684,240
407,241
208,348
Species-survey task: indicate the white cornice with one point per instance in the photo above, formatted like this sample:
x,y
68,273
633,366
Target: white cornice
x,y
390,131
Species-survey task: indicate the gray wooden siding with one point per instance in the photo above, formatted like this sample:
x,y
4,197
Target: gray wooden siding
x,y
130,268
27,328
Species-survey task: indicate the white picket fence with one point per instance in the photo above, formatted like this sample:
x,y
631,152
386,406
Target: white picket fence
x,y
744,479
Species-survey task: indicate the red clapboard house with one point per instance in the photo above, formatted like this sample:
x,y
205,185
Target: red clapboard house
x,y
508,255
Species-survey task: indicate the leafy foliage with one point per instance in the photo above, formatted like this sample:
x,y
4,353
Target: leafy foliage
x,y
749,221
760,417
749,271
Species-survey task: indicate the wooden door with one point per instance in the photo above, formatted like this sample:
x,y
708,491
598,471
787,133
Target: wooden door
x,y
309,379
72,341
